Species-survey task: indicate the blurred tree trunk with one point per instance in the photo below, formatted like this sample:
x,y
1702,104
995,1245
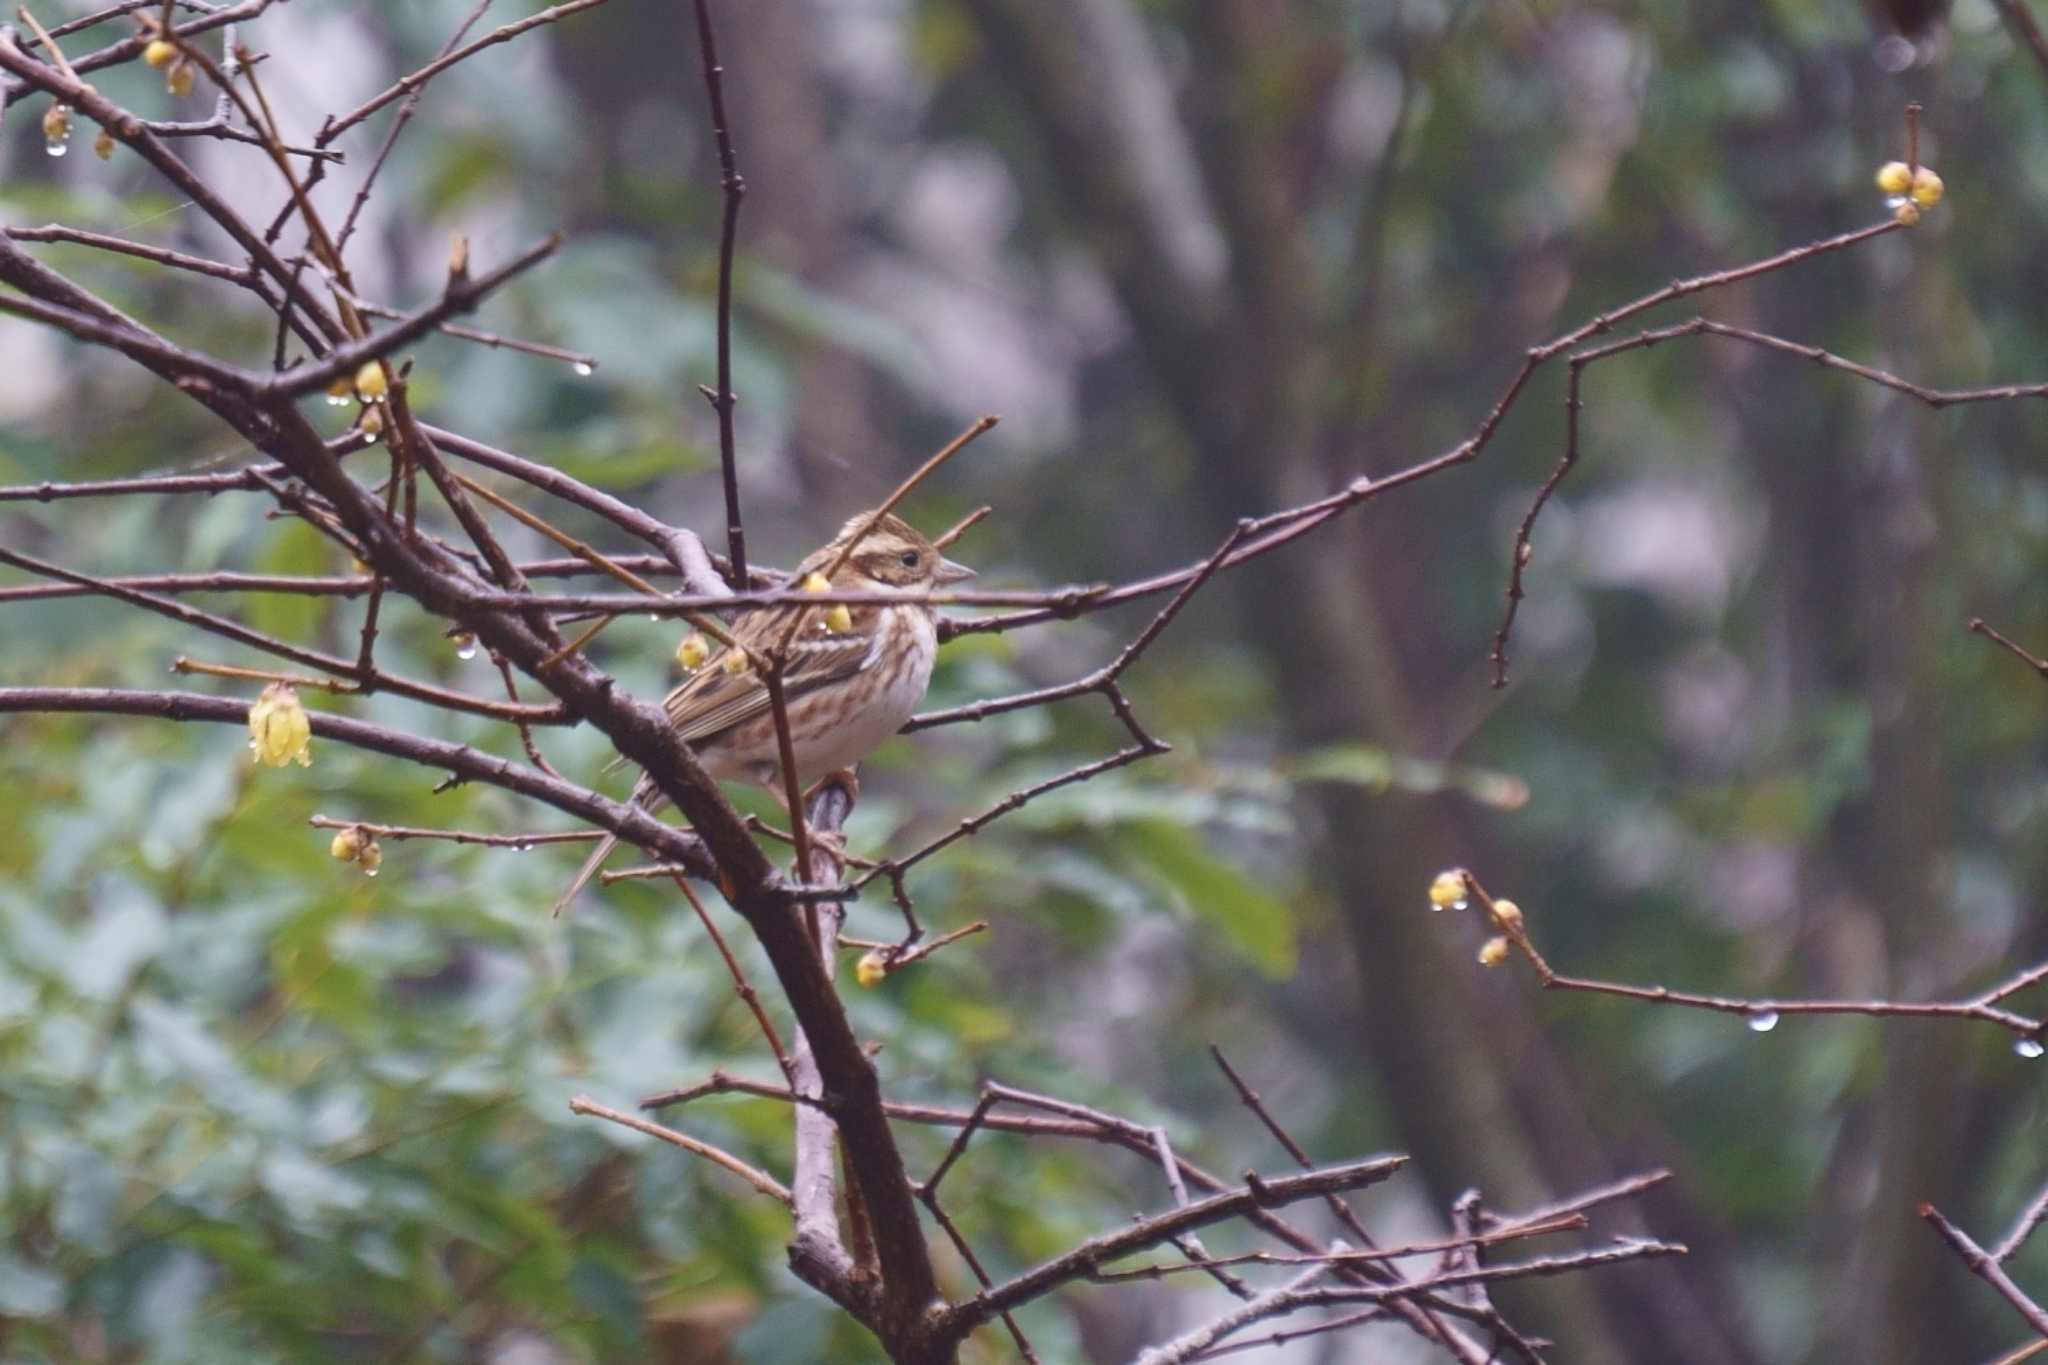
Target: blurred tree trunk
x,y
1479,1096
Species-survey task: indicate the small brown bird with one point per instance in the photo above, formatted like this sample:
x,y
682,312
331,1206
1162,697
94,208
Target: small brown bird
x,y
853,677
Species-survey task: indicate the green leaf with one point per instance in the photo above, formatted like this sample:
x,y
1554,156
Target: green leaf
x,y
296,549
1257,922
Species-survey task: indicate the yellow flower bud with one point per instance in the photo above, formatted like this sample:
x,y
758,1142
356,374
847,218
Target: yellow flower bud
x,y
1447,891
872,968
372,424
57,124
838,619
1894,177
370,381
816,582
160,53
1493,952
279,730
1507,914
371,858
735,661
179,81
1927,188
692,651
347,845
103,145
1906,214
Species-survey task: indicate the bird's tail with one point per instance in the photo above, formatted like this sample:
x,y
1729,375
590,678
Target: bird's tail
x,y
645,795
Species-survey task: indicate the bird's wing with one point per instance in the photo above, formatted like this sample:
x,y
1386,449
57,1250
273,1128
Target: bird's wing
x,y
714,701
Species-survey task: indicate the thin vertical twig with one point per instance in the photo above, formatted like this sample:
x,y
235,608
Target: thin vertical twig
x,y
733,187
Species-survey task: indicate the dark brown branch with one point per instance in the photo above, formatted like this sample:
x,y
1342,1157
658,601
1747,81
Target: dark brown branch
x,y
132,131
128,49
391,136
1580,361
733,189
1256,1193
1987,1268
1765,1012
406,84
2012,647
459,296
331,664
759,1179
471,765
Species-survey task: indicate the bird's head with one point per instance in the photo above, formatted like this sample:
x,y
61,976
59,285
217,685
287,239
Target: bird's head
x,y
892,555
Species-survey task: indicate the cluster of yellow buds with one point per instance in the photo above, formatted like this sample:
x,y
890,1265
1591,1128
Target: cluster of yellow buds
x,y
1507,917
1909,190
279,730
838,620
354,845
371,384
163,53
1453,890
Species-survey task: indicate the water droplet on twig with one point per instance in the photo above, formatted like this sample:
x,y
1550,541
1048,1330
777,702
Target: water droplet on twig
x,y
1763,1021
2029,1048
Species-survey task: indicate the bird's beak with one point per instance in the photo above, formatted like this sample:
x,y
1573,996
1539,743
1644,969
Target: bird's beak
x,y
949,572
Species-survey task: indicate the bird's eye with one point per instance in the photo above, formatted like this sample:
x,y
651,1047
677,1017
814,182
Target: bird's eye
x,y
909,559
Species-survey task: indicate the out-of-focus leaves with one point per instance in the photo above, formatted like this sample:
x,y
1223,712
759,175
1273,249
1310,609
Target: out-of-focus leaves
x,y
1378,770
1252,918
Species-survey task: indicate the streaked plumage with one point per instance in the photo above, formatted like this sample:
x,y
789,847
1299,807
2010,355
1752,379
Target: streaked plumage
x,y
846,691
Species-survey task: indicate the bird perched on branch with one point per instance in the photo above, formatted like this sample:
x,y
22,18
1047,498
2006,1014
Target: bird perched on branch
x,y
853,672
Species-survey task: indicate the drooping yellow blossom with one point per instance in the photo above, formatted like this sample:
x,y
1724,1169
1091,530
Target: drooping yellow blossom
x,y
160,53
872,968
279,730
735,661
1894,177
370,381
1507,914
1447,891
347,844
179,80
691,652
1493,952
